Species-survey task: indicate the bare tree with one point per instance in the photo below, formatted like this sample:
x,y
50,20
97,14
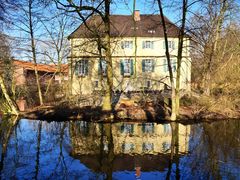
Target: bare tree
x,y
104,37
56,47
6,75
5,62
13,108
182,36
173,91
6,130
26,21
209,25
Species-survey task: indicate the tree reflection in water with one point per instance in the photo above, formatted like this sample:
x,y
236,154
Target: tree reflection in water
x,y
7,125
68,150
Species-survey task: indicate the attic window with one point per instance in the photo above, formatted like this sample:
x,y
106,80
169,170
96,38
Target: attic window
x,y
151,31
134,28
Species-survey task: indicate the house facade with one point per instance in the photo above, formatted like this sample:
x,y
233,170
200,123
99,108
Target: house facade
x,y
23,73
138,55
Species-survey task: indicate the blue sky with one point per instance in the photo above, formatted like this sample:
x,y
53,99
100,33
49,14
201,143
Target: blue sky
x,y
145,7
126,6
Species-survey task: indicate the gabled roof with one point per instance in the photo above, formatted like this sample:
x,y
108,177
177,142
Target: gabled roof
x,y
123,26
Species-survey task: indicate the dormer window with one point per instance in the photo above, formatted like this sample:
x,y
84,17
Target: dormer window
x,y
151,31
134,27
127,44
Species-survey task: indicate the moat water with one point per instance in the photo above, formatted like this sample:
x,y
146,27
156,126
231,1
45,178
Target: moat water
x,y
81,150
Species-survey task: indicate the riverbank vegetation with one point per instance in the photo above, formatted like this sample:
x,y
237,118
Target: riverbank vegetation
x,y
212,26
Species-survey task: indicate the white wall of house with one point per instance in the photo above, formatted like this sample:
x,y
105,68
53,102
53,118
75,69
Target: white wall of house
x,y
86,49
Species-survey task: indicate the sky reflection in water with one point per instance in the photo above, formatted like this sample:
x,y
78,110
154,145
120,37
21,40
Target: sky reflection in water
x,y
81,150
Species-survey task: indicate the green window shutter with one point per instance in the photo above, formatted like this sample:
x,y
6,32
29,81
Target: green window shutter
x,y
105,65
131,45
165,65
164,46
173,45
143,65
143,44
122,45
132,67
99,67
153,65
152,44
121,67
86,66
76,69
174,65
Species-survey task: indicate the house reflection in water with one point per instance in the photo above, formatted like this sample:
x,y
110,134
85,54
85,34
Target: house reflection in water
x,y
147,138
147,145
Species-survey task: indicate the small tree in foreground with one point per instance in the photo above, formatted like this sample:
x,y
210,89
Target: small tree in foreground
x,y
175,90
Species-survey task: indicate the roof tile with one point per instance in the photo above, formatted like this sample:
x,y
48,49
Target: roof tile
x,y
123,26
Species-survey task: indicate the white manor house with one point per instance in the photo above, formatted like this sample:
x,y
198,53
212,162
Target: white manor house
x,y
138,54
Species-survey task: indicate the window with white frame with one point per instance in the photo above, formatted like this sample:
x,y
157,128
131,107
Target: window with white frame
x,y
81,68
127,44
173,65
102,68
126,67
171,45
147,65
148,44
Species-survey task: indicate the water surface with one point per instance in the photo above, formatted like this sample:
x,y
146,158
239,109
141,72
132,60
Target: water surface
x,y
82,150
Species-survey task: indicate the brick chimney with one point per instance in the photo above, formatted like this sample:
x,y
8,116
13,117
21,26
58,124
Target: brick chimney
x,y
136,15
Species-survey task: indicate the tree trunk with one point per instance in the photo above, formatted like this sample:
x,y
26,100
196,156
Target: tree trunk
x,y
107,99
70,74
11,104
173,149
173,91
6,130
34,52
38,149
179,56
